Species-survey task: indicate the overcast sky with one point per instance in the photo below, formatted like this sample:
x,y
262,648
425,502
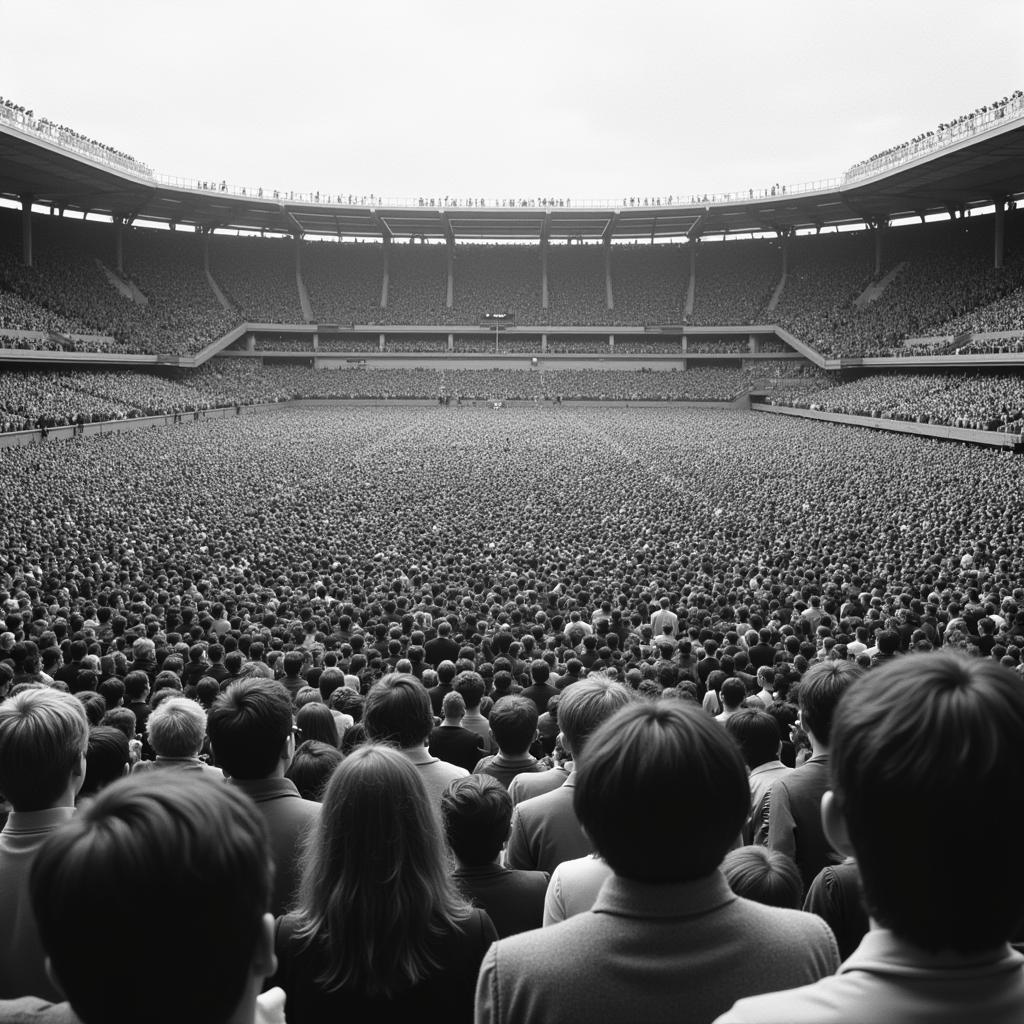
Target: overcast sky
x,y
591,100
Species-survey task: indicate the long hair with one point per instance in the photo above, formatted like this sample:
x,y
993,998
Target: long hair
x,y
375,891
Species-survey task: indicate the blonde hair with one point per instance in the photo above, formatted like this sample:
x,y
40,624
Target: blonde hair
x,y
176,728
376,892
43,736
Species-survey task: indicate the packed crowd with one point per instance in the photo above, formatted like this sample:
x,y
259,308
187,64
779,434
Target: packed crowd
x,y
459,736
976,401
734,282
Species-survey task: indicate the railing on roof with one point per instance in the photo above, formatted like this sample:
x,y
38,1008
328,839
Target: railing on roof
x,y
24,121
446,203
963,128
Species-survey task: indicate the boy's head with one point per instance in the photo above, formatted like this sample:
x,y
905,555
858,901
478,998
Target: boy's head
x,y
513,722
43,738
250,728
820,689
477,815
928,772
662,792
187,855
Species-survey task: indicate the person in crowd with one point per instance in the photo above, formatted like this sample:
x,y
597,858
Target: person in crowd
x,y
470,686
928,745
545,830
757,735
794,800
252,735
311,767
117,865
379,930
666,935
107,758
450,741
477,816
176,731
44,737
513,722
397,711
764,876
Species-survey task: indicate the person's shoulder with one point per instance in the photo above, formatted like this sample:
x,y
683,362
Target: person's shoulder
x,y
833,1000
33,1010
538,806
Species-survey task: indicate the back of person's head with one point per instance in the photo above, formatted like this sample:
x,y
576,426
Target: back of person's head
x,y
329,681
928,771
43,738
119,862
375,875
312,766
818,693
122,719
662,792
452,705
757,735
249,725
764,876
733,691
540,671
513,722
398,711
586,704
293,662
471,686
106,758
477,816
177,728
315,722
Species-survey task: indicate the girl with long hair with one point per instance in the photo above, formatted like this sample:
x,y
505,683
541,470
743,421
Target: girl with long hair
x,y
379,931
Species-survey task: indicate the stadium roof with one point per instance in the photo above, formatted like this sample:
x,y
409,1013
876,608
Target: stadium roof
x,y
973,172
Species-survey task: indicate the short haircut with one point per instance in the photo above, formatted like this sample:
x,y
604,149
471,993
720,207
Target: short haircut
x,y
122,719
452,705
477,816
513,722
176,728
928,771
312,766
757,735
248,725
662,792
119,861
105,758
472,688
819,691
764,876
398,711
586,704
43,736
733,692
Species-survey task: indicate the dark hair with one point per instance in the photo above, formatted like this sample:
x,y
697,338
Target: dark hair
x,y
513,722
316,722
477,815
472,688
818,693
398,711
732,692
105,758
662,792
119,861
312,766
248,726
757,735
928,769
765,876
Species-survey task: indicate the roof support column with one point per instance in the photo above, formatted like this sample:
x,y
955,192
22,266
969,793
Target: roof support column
x,y
450,296
879,226
609,293
1000,232
118,224
384,279
26,229
544,273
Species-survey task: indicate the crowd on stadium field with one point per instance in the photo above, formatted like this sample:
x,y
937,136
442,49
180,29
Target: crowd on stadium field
x,y
465,721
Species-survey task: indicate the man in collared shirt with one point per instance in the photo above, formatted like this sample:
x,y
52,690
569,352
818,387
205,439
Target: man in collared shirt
x,y
927,774
251,732
757,735
666,936
794,801
44,736
514,728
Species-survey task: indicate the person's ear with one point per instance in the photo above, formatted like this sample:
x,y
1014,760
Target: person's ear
x,y
264,960
834,824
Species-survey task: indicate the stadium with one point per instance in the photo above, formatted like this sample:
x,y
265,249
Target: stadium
x,y
695,449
